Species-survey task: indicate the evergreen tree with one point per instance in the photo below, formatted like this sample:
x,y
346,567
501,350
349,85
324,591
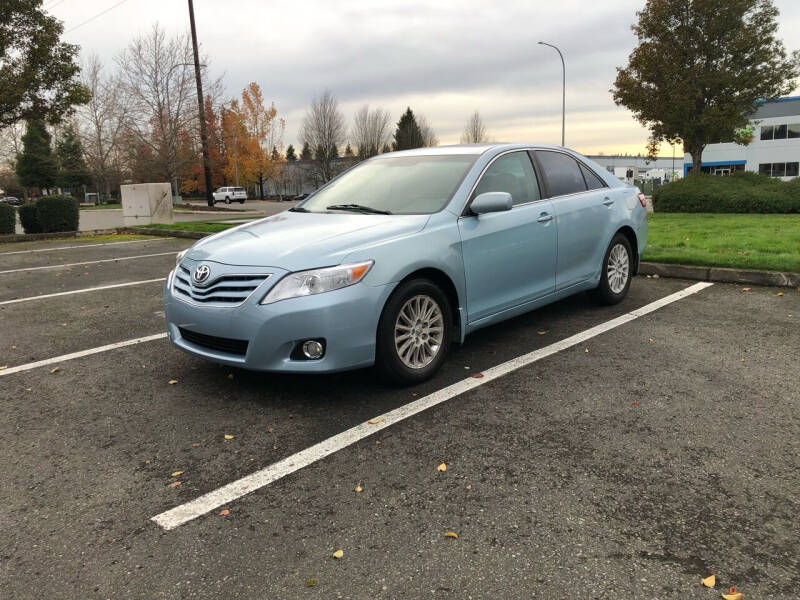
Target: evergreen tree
x,y
348,151
275,156
305,153
72,171
385,149
334,152
36,165
290,155
408,134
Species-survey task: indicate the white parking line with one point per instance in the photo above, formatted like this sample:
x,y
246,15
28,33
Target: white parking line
x,y
89,352
83,291
88,262
191,510
84,246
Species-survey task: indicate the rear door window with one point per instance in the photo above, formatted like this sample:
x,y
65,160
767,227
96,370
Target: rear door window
x,y
561,172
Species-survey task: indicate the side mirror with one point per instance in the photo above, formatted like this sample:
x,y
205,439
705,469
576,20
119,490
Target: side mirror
x,y
491,202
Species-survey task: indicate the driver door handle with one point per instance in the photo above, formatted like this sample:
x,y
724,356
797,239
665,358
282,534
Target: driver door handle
x,y
607,201
544,218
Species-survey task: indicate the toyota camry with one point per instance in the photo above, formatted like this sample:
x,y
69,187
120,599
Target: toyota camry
x,y
400,256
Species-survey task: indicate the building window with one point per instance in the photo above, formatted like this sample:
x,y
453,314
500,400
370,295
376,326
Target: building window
x,y
767,131
794,130
789,169
780,132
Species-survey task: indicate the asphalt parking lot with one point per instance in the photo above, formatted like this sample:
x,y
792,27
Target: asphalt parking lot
x,y
628,465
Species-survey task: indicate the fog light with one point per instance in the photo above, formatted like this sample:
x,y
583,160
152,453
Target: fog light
x,y
312,349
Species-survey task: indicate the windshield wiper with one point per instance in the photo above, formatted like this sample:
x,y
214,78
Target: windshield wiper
x,y
358,208
298,209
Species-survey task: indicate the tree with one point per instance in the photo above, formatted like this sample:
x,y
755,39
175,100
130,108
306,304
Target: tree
x,y
101,125
305,153
385,149
263,130
72,170
370,131
323,129
36,165
348,151
474,130
290,154
428,134
38,73
407,135
700,67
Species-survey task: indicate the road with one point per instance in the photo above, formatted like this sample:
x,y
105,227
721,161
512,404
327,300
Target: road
x,y
629,465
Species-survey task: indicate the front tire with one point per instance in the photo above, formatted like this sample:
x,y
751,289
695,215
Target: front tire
x,y
615,278
414,333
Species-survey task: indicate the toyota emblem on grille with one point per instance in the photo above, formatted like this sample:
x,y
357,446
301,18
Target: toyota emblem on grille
x,y
201,273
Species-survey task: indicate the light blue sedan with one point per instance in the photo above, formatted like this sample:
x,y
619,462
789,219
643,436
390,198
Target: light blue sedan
x,y
400,256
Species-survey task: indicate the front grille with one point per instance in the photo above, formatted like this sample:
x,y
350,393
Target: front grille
x,y
227,345
226,290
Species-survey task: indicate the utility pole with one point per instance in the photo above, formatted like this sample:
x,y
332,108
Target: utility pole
x,y
201,110
563,88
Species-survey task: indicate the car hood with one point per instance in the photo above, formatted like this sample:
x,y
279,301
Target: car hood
x,y
296,241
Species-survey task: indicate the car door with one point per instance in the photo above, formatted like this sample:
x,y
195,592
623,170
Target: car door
x,y
582,205
509,257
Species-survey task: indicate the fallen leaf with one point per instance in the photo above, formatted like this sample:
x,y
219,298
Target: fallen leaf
x,y
173,381
338,554
175,484
376,420
635,403
358,489
451,534
709,581
469,487
779,294
55,369
650,340
656,276
3,367
230,375
541,332
224,512
466,367
745,289
176,473
377,442
415,393
195,444
270,430
733,595
228,436
311,582
586,350
477,375
274,446
442,467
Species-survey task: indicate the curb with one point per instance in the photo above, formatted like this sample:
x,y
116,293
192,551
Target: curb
x,y
32,237
722,275
192,235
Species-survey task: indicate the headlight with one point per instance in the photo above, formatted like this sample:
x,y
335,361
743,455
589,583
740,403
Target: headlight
x,y
179,256
316,281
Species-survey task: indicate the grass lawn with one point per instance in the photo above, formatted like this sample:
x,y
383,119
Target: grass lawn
x,y
192,226
101,207
770,242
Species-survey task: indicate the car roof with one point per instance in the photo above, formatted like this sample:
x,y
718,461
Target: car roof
x,y
470,149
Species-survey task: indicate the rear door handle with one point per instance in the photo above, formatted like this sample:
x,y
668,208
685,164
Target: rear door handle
x,y
544,218
608,202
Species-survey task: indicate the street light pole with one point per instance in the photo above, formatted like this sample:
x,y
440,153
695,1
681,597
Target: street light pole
x,y
201,109
563,89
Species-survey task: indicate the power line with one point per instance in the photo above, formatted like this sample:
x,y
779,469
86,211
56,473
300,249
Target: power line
x,y
52,5
100,14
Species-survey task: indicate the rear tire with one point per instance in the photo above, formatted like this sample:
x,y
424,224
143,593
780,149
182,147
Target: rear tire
x,y
617,270
241,201
227,200
414,333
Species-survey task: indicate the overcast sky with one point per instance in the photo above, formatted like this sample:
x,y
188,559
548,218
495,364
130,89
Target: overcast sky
x,y
443,58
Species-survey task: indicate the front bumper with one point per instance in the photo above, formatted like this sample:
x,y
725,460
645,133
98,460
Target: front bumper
x,y
347,319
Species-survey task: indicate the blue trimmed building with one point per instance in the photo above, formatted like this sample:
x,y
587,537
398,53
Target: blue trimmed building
x,y
774,151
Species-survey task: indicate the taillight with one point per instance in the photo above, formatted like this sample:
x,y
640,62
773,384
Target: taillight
x,y
642,201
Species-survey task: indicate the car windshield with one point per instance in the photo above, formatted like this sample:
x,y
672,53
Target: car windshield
x,y
395,184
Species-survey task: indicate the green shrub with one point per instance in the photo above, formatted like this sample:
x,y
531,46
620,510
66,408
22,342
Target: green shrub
x,y
29,217
8,218
742,192
57,213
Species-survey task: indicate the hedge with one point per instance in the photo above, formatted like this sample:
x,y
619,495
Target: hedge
x,y
742,192
8,218
29,218
50,213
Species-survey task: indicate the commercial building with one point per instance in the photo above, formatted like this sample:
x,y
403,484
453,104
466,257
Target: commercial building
x,y
774,151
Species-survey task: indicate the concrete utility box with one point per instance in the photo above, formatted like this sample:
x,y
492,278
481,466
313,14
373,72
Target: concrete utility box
x,y
145,203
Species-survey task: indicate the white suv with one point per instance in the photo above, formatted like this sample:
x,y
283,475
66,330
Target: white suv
x,y
230,194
